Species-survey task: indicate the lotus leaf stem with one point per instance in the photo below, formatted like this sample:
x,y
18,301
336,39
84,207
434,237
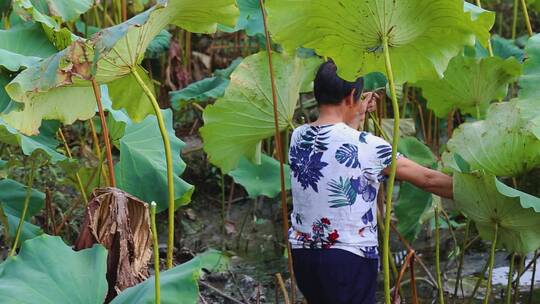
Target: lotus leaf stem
x,y
105,130
461,258
514,18
77,176
168,156
28,195
478,283
518,280
491,262
531,291
526,16
392,176
156,252
279,149
508,295
440,290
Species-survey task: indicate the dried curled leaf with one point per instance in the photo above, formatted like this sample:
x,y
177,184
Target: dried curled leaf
x,y
121,223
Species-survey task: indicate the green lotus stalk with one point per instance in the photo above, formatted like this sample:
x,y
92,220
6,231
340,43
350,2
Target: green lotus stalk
x,y
508,296
518,279
156,252
461,257
30,184
440,290
531,291
526,16
514,18
491,262
279,149
168,155
478,283
392,176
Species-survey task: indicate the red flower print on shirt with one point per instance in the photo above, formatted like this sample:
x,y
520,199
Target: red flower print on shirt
x,y
325,221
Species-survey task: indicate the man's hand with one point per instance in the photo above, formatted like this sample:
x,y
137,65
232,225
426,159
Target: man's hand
x,y
371,98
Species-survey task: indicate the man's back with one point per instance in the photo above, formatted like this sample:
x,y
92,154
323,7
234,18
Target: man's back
x,y
336,172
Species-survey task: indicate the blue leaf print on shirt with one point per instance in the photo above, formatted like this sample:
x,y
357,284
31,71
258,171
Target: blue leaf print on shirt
x,y
368,217
370,252
384,152
307,167
362,137
347,154
343,193
316,138
363,187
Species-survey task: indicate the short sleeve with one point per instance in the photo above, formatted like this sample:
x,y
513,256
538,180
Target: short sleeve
x,y
379,157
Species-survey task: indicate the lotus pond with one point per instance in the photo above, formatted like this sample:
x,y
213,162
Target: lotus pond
x,y
142,145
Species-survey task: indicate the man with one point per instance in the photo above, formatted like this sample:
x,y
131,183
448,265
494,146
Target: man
x,y
336,173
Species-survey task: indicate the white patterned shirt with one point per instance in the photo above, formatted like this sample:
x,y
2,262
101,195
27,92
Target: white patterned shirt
x,y
335,176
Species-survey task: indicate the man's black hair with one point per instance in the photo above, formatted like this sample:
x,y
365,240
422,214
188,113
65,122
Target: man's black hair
x,y
330,89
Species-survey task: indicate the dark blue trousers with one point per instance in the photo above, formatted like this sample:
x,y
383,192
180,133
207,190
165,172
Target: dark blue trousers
x,y
335,276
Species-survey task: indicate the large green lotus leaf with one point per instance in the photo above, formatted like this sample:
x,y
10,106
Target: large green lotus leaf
x,y
66,10
48,88
470,84
486,201
250,19
414,149
23,46
504,144
530,79
128,95
178,285
236,124
502,47
414,204
206,89
423,35
48,271
12,196
262,179
44,142
483,21
142,170
4,97
39,11
411,208
159,45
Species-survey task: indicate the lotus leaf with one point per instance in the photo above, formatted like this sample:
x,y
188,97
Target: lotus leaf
x,y
504,48
12,196
411,207
109,55
414,204
237,122
48,271
250,18
486,201
203,90
262,179
44,142
159,45
531,70
423,35
142,169
178,285
23,46
504,144
470,84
